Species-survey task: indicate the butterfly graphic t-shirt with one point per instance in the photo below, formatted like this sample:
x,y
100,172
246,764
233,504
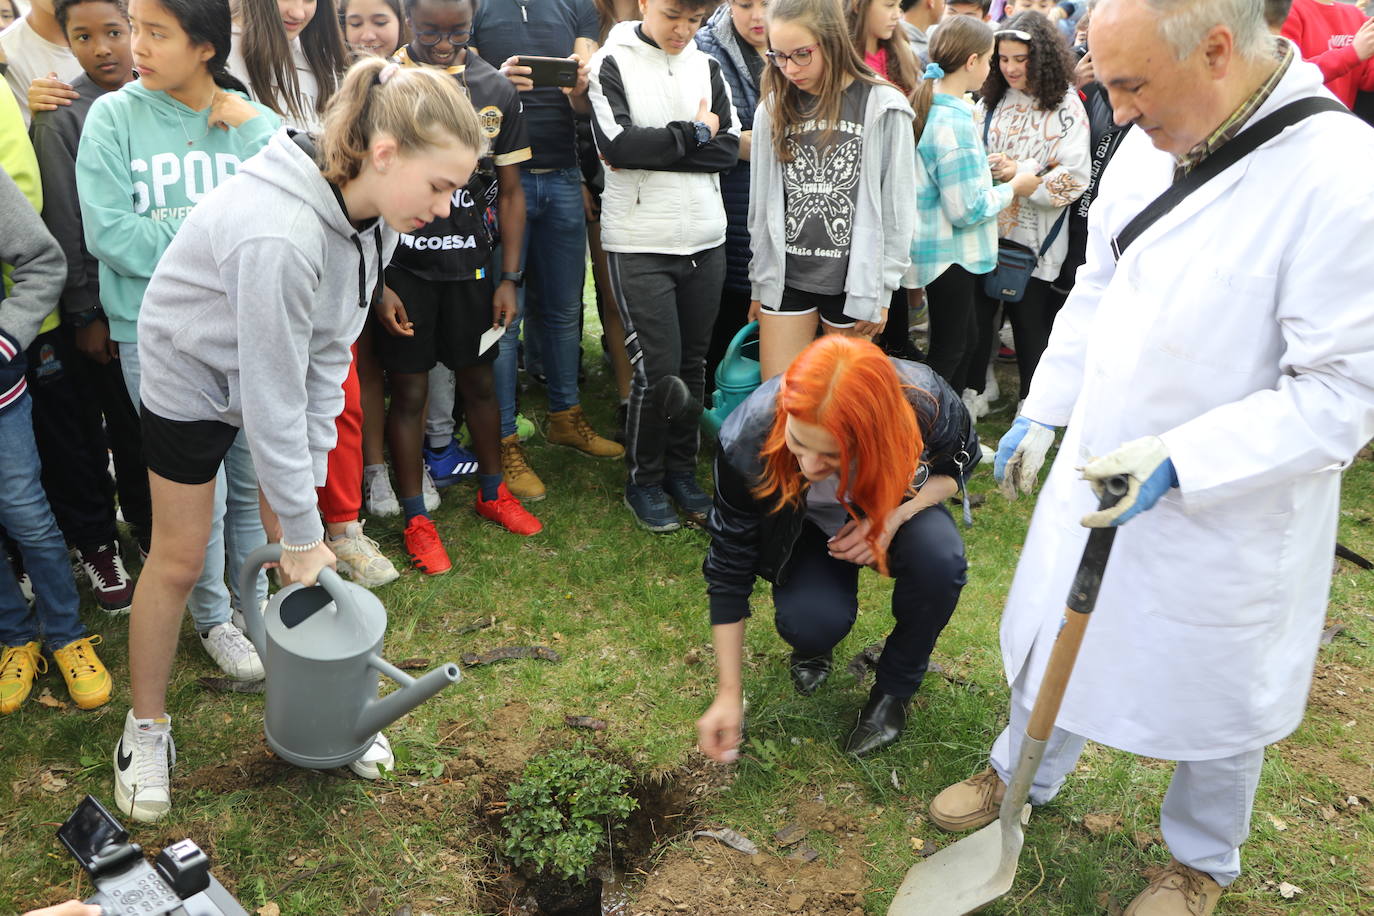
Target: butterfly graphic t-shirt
x,y
821,185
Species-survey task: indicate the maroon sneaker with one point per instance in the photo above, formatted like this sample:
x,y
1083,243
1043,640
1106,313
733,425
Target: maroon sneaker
x,y
110,583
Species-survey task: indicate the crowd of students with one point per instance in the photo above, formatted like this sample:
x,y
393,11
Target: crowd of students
x,y
823,167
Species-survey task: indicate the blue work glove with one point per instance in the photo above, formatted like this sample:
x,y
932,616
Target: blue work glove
x,y
1020,455
1150,474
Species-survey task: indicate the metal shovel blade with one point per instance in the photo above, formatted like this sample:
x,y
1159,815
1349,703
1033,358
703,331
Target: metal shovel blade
x,y
981,867
963,877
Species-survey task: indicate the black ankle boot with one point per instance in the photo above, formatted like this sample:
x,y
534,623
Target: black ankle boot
x,y
809,673
880,723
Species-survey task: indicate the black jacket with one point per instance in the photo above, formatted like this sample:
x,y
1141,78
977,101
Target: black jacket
x,y
747,540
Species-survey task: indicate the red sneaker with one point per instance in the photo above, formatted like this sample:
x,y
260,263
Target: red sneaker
x,y
426,551
506,511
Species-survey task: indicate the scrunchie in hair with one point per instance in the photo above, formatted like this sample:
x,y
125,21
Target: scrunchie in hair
x,y
387,73
933,72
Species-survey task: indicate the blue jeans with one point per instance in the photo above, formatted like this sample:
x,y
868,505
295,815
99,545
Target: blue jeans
x,y
236,502
555,254
25,514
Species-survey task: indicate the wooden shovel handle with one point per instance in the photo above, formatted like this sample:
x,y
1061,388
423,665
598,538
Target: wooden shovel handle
x,y
1082,598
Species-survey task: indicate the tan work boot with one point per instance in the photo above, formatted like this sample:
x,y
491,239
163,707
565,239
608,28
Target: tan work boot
x,y
1177,890
570,428
970,804
520,477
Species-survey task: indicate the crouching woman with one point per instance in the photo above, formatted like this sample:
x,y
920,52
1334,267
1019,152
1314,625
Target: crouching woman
x,y
843,461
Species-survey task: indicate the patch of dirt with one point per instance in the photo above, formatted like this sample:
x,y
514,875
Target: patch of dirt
x,y
247,768
1343,694
707,877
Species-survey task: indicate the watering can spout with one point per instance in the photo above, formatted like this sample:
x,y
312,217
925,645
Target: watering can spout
x,y
380,713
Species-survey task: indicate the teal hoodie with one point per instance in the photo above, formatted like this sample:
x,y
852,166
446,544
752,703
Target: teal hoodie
x,y
144,161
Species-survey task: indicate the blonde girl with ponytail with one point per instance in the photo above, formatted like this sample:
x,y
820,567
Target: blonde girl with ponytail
x,y
957,201
247,324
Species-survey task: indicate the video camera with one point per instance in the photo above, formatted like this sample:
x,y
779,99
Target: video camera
x,y
179,882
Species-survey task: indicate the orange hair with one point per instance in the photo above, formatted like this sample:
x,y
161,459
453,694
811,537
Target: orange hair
x,y
849,388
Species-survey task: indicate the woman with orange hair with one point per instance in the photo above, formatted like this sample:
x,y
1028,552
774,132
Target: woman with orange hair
x,y
843,461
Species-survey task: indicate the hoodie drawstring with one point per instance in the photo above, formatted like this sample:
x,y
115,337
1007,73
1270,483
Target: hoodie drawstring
x,y
364,300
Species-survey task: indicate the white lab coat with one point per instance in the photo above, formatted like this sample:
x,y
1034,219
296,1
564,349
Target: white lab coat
x,y
1239,329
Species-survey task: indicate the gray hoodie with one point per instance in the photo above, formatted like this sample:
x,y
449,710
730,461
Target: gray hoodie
x,y
250,315
884,215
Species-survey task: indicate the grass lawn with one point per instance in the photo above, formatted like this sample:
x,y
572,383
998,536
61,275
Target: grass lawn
x,y
626,612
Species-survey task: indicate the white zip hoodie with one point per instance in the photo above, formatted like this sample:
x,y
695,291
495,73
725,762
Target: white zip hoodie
x,y
662,189
250,315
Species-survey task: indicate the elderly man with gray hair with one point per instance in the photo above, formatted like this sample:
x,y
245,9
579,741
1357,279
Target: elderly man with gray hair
x,y
1218,349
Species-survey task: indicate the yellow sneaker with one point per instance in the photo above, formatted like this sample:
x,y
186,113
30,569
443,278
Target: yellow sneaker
x,y
19,665
87,680
570,428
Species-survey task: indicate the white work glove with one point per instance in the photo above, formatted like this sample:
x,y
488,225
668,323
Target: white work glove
x,y
1150,474
1020,456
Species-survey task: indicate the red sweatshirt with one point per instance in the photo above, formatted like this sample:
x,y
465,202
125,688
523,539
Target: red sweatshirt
x,y
1325,34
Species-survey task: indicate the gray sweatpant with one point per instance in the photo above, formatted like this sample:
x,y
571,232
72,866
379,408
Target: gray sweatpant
x,y
668,303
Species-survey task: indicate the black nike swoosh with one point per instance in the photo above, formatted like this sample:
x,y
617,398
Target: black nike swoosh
x,y
122,758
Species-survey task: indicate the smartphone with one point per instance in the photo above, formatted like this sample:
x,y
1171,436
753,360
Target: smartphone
x,y
550,71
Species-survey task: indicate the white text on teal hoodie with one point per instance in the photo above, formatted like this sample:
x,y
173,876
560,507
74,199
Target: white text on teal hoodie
x,y
144,161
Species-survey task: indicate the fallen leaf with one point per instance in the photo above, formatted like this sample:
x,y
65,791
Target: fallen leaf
x,y
1278,822
916,843
51,782
895,784
866,661
481,623
598,725
1289,891
1101,824
693,657
473,659
413,664
229,685
790,835
804,853
735,840
268,909
45,698
1331,632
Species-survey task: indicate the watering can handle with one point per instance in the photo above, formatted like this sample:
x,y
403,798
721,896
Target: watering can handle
x,y
248,587
740,339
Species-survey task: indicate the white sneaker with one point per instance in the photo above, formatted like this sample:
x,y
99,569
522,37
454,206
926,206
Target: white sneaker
x,y
379,499
991,390
360,559
232,651
142,783
236,615
26,588
369,765
981,404
430,492
970,399
988,455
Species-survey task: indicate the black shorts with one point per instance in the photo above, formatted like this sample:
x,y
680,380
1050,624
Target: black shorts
x,y
801,302
185,451
449,316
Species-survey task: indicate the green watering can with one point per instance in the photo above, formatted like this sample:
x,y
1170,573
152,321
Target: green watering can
x,y
736,377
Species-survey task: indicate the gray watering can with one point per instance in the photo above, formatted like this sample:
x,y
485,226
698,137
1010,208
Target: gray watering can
x,y
319,646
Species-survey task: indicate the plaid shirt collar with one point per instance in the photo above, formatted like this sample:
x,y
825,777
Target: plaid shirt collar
x,y
1228,129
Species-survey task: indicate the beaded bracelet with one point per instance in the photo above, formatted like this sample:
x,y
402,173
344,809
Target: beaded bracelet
x,y
302,548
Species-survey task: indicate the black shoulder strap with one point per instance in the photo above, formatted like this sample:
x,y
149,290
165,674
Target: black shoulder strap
x,y
1054,231
1250,139
987,123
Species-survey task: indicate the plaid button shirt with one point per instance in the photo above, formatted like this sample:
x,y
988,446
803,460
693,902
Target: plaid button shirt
x,y
1228,129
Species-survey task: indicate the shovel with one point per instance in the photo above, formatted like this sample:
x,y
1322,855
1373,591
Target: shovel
x,y
981,867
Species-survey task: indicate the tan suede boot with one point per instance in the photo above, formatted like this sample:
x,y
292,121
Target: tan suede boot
x,y
520,477
969,804
571,429
1177,890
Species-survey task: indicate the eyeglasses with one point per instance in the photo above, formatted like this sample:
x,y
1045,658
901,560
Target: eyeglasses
x,y
1013,33
801,57
456,37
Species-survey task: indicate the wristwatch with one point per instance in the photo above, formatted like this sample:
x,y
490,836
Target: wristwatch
x,y
82,319
517,277
702,131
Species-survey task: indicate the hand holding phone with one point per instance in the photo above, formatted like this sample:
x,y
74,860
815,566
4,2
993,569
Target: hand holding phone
x,y
560,72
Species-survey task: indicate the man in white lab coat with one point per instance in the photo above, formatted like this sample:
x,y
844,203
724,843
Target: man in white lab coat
x,y
1226,363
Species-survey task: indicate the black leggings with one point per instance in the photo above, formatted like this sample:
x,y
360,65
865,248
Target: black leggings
x,y
818,600
1031,320
953,322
